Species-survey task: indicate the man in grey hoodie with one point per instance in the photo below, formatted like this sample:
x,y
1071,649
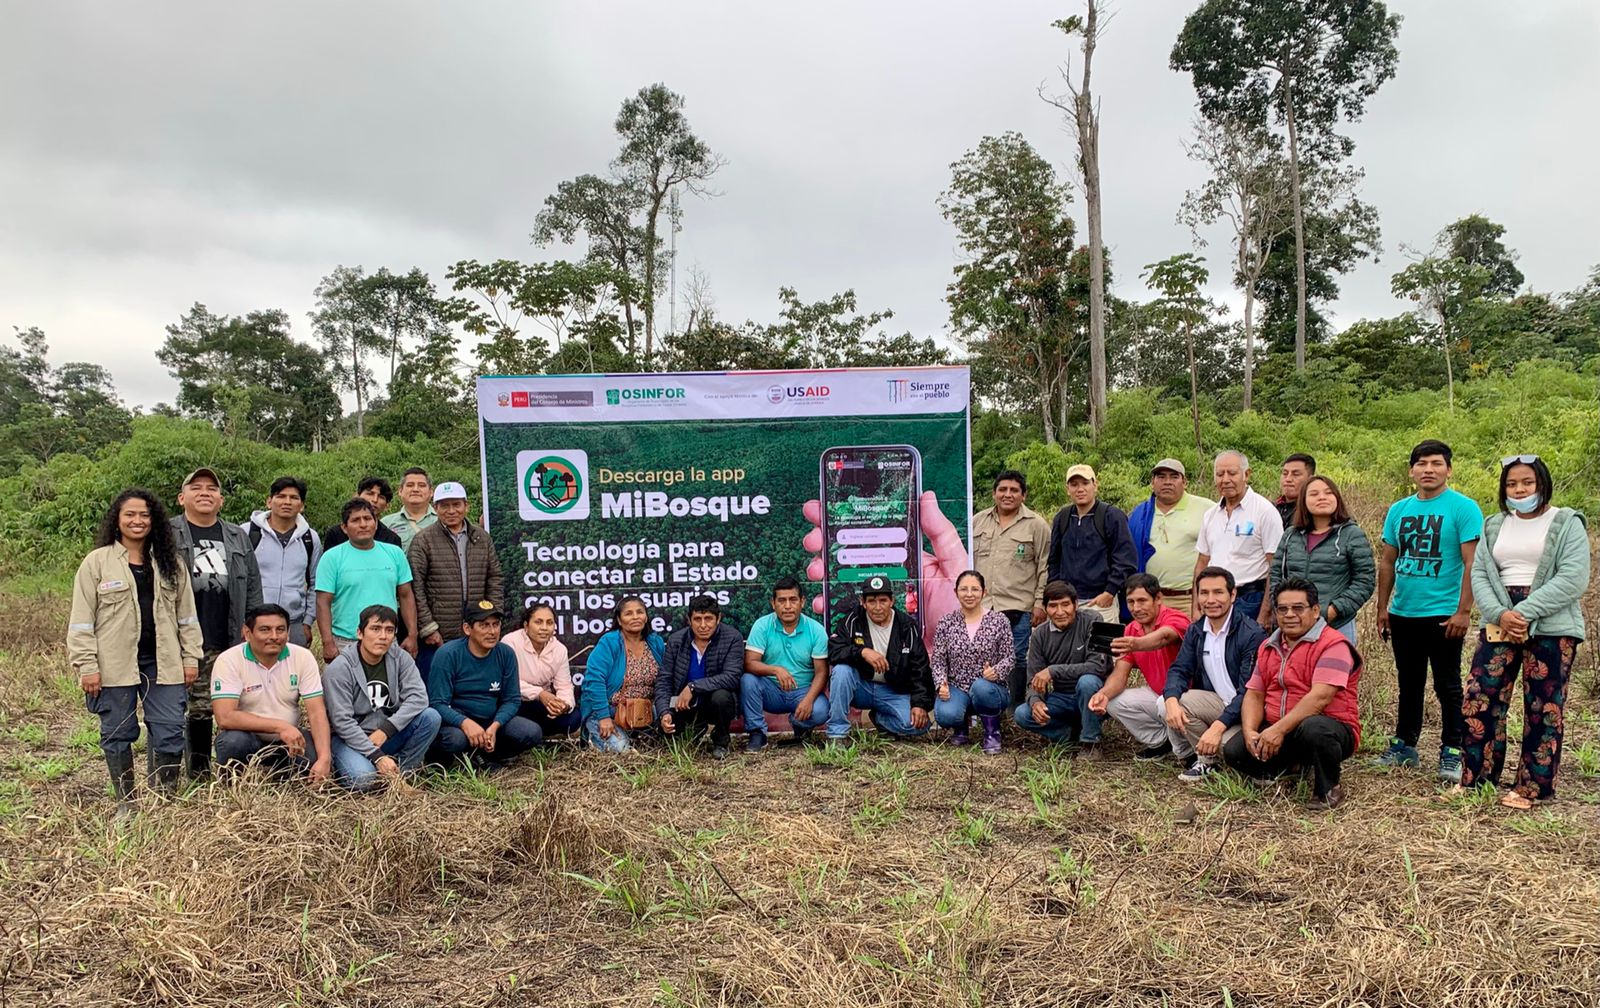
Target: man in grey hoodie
x,y
377,706
1064,673
287,550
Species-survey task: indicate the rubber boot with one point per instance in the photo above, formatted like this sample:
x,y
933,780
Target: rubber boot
x,y
120,766
164,769
958,734
991,733
197,748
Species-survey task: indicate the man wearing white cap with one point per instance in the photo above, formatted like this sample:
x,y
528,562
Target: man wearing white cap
x,y
1090,548
452,561
1165,528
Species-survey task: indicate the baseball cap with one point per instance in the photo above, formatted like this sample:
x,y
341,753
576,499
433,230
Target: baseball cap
x,y
1086,471
481,610
202,471
1169,463
449,490
877,584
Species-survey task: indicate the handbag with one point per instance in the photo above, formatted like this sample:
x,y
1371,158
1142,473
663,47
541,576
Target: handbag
x,y
635,713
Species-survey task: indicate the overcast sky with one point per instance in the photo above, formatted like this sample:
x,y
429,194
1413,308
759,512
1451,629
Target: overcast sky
x,y
154,155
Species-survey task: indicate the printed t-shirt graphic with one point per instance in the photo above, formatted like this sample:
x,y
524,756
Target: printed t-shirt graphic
x,y
1428,535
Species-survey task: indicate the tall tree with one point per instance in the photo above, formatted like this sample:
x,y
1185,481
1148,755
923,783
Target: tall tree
x,y
1476,239
247,374
347,323
1181,281
1340,230
1307,64
1443,289
407,309
1249,188
605,211
1083,112
568,300
1011,301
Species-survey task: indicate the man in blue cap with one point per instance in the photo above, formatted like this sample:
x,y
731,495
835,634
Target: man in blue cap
x,y
879,665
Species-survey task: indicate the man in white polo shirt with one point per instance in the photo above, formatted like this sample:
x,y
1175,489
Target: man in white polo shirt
x,y
1239,534
257,689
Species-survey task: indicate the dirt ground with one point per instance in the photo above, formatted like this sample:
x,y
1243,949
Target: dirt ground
x,y
883,874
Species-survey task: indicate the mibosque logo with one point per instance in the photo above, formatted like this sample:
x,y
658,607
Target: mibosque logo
x,y
554,484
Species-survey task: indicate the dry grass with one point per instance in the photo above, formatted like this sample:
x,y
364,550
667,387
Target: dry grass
x,y
904,874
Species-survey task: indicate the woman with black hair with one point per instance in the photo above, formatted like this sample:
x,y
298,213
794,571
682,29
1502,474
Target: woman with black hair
x,y
1528,576
133,637
621,672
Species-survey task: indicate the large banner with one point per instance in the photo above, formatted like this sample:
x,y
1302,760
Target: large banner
x,y
668,486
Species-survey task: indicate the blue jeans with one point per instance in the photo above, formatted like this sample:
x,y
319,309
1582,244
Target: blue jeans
x,y
617,743
759,694
514,738
985,699
1249,603
356,772
846,689
1021,634
1348,628
234,748
1065,708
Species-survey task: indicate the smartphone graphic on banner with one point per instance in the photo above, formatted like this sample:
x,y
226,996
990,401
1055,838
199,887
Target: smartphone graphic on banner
x,y
871,524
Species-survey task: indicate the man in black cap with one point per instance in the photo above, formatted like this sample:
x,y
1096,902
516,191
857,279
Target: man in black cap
x,y
473,685
227,584
879,665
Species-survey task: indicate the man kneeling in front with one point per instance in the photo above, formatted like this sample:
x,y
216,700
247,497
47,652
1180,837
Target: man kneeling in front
x,y
1300,703
257,689
473,685
377,706
880,665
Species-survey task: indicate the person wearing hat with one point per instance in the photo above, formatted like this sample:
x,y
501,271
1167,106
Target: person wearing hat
x,y
227,583
473,685
1164,529
1090,547
452,561
879,665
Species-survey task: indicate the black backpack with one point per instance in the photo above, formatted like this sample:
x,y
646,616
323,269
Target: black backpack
x,y
311,547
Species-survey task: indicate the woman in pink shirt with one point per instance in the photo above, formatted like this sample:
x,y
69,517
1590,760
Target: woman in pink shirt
x,y
544,671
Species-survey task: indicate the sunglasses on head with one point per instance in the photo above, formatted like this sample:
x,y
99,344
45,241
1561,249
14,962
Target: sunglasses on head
x,y
1513,459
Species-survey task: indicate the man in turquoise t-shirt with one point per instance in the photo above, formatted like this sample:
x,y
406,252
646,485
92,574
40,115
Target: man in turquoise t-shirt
x,y
1428,542
357,573
785,668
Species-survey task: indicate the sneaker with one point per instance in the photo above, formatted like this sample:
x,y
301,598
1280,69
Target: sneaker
x,y
1198,771
1154,752
719,752
1399,754
1328,802
801,736
756,742
1090,753
1450,765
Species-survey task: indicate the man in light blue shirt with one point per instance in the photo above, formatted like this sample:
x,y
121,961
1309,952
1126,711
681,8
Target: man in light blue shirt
x,y
785,668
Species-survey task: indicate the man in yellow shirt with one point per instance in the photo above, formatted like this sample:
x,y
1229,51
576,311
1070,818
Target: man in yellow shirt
x,y
1165,528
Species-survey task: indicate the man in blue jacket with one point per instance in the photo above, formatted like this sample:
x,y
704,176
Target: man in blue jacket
x,y
1090,547
1205,685
699,682
473,685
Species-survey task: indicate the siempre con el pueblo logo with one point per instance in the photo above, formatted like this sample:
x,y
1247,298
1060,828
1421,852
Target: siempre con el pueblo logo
x,y
907,389
553,484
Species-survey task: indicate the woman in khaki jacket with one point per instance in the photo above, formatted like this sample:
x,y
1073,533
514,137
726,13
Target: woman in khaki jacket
x,y
133,637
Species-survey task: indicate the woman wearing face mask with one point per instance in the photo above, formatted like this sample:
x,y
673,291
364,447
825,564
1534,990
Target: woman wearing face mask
x,y
971,658
1527,577
623,666
1326,548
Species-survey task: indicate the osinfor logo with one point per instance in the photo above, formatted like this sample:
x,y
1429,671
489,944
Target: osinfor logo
x,y
553,484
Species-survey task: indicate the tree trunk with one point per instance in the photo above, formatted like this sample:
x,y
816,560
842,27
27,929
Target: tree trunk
x,y
649,301
1089,157
1249,344
1299,229
355,379
1449,370
1194,387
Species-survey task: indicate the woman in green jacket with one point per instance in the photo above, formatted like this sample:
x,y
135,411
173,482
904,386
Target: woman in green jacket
x,y
1322,545
1528,575
133,638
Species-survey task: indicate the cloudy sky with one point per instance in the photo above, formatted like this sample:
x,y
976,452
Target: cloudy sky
x,y
154,155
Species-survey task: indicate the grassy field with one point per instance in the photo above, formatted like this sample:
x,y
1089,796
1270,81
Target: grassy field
x,y
883,874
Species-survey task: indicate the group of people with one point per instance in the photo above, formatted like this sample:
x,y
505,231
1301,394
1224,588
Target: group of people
x,y
1213,632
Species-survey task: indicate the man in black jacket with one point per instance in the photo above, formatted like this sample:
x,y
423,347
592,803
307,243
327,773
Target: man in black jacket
x,y
699,681
1064,673
879,665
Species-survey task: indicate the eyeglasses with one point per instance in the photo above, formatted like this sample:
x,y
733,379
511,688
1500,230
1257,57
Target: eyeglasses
x,y
1524,459
1292,610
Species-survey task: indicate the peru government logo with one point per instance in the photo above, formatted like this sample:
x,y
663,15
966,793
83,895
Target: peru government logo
x,y
554,485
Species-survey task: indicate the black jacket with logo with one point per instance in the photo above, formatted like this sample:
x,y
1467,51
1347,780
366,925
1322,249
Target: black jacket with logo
x,y
909,671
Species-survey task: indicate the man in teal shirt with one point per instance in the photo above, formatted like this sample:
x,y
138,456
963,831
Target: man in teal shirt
x,y
358,573
785,668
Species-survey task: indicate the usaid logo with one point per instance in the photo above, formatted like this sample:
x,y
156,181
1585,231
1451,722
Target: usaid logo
x,y
553,485
800,393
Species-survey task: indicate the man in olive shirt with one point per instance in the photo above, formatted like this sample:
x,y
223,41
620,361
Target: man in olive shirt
x,y
1011,547
1165,528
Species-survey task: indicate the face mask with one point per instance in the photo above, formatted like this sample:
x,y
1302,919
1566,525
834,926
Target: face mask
x,y
1527,505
